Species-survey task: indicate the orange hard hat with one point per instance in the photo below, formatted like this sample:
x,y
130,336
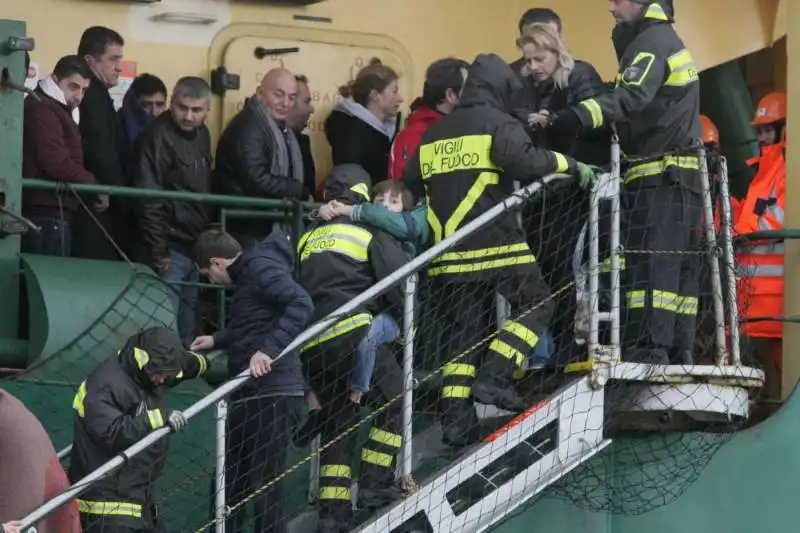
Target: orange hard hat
x,y
710,131
771,108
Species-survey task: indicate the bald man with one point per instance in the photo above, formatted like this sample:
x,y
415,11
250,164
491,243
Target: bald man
x,y
258,153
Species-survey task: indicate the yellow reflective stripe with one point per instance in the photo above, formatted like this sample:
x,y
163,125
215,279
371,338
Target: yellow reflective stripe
x,y
468,202
459,369
507,351
469,152
682,70
344,239
527,335
141,356
595,111
562,165
433,221
655,12
605,266
335,493
654,168
202,363
303,240
376,458
361,189
156,418
456,391
484,265
385,437
110,508
80,397
663,300
635,299
638,72
346,325
687,305
335,471
483,253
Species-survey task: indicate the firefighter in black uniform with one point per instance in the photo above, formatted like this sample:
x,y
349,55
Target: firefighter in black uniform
x,y
338,260
466,164
656,108
120,402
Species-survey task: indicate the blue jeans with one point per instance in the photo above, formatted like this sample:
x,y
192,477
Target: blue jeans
x,y
541,354
382,331
54,239
183,297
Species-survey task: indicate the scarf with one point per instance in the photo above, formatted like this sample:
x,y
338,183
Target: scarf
x,y
354,109
49,87
286,150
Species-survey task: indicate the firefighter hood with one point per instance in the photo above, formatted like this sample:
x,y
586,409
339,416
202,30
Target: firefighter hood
x,y
349,183
490,81
654,12
154,350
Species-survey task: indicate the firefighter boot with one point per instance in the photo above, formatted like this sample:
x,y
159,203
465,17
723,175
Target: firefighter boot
x,y
460,424
496,386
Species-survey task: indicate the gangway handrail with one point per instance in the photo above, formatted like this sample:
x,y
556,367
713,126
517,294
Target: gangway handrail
x,y
515,199
767,235
155,194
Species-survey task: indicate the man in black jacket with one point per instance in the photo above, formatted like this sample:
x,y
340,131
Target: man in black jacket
x,y
173,153
269,309
258,154
655,106
120,402
298,121
339,260
102,49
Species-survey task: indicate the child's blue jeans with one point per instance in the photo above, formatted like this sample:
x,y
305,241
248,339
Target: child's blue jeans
x,y
383,330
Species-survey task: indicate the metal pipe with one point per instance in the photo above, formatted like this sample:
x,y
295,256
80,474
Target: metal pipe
x,y
234,383
313,470
594,271
408,376
730,265
220,506
64,453
716,282
616,268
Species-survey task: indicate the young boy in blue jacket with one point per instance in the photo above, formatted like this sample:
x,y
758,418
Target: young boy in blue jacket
x,y
268,311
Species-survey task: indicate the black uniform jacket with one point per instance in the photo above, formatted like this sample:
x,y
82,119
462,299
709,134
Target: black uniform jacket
x,y
117,406
467,163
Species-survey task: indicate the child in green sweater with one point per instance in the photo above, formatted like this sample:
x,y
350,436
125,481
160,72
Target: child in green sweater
x,y
392,210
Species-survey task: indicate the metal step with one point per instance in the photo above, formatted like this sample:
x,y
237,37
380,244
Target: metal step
x,y
507,469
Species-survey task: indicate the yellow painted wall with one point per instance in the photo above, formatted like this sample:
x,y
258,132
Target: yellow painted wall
x,y
426,29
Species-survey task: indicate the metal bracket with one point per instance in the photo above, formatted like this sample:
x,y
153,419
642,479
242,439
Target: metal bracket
x,y
607,357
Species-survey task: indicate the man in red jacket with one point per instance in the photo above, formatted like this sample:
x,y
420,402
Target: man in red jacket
x,y
443,81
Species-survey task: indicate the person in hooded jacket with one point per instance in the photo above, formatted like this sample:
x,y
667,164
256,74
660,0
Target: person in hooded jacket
x,y
466,164
269,309
120,403
340,259
145,100
362,126
443,82
655,107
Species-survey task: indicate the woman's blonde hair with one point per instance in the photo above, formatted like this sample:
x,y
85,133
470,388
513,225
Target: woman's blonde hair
x,y
545,37
375,76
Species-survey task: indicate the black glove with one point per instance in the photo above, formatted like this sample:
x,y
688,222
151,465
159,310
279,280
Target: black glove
x,y
566,122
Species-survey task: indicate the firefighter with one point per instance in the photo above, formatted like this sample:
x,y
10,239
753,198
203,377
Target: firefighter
x,y
120,402
655,105
761,285
338,260
466,164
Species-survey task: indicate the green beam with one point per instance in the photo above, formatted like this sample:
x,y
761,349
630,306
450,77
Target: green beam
x,y
153,194
10,175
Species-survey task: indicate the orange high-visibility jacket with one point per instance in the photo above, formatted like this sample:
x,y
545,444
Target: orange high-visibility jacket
x,y
760,291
